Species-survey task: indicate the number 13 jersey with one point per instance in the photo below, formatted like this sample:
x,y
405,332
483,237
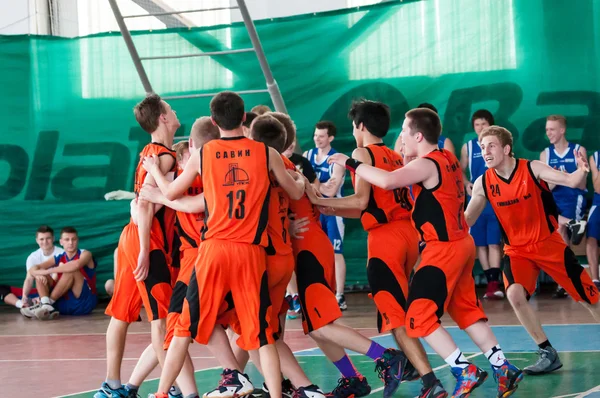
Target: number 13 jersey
x,y
235,175
385,206
438,213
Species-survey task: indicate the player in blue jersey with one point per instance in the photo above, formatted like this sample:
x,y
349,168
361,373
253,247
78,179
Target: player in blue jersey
x,y
443,142
331,178
560,155
593,223
486,231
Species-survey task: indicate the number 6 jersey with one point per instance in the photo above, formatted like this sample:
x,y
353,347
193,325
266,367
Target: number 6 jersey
x,y
235,175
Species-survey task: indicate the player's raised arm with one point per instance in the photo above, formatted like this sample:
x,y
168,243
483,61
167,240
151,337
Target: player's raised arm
x,y
572,180
359,200
477,203
416,171
173,190
293,187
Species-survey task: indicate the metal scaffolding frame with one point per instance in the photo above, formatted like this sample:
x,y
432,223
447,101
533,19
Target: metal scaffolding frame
x,y
178,20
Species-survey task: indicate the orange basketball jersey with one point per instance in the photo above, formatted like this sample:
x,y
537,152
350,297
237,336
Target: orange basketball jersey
x,y
385,206
523,204
165,216
438,213
190,224
235,175
152,148
279,223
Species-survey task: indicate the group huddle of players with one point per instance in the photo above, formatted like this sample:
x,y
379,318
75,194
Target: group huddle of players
x,y
230,201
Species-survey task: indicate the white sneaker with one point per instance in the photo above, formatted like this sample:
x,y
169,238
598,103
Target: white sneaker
x,y
46,312
233,384
29,312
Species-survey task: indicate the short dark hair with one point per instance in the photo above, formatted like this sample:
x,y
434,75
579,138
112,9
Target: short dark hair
x,y
428,106
68,230
482,114
374,116
44,229
267,129
325,124
250,116
427,122
227,110
288,124
147,112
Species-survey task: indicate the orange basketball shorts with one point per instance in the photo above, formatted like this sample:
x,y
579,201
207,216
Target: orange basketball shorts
x,y
155,291
224,267
187,261
315,273
443,281
523,264
279,270
393,250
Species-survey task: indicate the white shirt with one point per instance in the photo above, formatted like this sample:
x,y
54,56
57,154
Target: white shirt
x,y
37,257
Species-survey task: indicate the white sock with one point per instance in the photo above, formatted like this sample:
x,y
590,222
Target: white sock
x,y
496,356
19,304
47,300
457,360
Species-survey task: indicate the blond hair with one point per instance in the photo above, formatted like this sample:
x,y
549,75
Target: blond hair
x,y
180,149
203,130
558,118
260,109
503,135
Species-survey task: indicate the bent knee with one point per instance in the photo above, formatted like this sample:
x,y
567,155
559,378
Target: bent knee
x,y
516,295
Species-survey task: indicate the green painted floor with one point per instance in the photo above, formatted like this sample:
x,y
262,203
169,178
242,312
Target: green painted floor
x,y
580,374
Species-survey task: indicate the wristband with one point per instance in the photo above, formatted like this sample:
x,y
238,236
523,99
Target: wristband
x,y
352,164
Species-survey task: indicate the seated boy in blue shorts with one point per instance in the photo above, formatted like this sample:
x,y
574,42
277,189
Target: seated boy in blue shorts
x,y
75,290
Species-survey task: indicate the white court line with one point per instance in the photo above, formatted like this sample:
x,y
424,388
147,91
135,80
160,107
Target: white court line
x,y
588,392
299,356
291,330
567,396
156,378
438,368
77,359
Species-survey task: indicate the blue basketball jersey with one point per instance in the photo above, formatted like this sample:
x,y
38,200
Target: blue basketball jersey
x,y
323,169
565,162
477,166
596,156
441,141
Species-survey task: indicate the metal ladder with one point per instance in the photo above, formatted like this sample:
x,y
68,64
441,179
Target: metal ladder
x,y
272,87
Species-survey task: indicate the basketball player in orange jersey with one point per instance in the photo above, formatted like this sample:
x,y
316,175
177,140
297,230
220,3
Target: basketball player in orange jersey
x,y
143,275
235,174
442,282
189,225
519,194
276,130
393,243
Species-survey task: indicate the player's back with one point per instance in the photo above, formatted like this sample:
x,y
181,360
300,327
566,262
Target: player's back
x,y
190,224
235,175
523,204
278,226
438,213
384,205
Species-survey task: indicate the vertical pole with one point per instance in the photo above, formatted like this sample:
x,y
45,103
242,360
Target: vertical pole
x,y
131,47
264,65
